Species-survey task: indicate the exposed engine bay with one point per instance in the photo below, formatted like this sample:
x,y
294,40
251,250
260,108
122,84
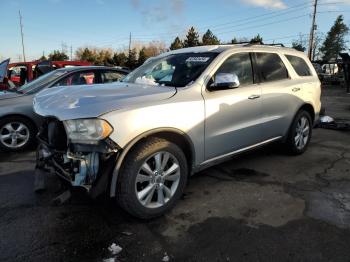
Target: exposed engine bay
x,y
80,165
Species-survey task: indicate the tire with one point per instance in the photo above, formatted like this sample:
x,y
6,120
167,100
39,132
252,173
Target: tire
x,y
18,129
136,178
294,145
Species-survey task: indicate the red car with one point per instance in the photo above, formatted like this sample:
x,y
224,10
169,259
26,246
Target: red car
x,y
23,72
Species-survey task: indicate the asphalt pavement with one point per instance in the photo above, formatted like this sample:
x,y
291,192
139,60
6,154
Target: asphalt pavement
x,y
260,206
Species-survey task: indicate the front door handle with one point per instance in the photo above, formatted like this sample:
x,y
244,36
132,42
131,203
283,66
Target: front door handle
x,y
296,89
253,97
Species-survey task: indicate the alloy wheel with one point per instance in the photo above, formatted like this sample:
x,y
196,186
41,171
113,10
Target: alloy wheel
x,y
14,135
157,180
302,132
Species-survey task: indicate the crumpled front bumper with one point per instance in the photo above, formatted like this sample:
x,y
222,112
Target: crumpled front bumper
x,y
47,164
79,165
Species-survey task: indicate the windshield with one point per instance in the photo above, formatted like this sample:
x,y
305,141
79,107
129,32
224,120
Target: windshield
x,y
37,84
176,70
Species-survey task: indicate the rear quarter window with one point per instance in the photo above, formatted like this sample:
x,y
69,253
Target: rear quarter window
x,y
299,65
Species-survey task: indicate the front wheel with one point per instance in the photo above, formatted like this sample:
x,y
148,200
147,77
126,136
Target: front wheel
x,y
300,133
153,177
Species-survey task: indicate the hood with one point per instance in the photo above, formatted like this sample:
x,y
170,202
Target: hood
x,y
94,100
8,95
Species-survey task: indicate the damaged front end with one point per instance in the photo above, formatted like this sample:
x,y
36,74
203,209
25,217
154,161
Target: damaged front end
x,y
78,151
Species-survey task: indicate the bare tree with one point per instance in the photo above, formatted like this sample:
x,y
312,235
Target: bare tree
x,y
316,54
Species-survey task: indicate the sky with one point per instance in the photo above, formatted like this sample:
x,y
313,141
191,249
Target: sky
x,y
55,24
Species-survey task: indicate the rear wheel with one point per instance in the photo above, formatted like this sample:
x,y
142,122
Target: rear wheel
x,y
300,133
16,133
152,179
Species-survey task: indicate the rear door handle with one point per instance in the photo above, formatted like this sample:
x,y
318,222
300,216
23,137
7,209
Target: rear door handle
x,y
253,97
296,89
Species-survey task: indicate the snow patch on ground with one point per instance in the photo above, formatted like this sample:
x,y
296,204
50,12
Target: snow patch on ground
x,y
115,249
166,258
112,259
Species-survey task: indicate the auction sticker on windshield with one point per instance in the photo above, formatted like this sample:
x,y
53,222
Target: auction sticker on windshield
x,y
198,59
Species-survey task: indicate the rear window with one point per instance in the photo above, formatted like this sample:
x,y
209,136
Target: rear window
x,y
299,65
271,67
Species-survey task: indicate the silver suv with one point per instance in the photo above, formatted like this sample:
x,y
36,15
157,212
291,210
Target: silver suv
x,y
139,140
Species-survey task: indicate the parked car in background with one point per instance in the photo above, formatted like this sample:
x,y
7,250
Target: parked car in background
x,y
23,72
178,113
18,122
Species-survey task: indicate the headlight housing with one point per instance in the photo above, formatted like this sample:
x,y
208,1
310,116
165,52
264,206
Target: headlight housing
x,y
87,131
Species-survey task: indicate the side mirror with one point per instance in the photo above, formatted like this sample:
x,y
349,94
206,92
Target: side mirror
x,y
225,81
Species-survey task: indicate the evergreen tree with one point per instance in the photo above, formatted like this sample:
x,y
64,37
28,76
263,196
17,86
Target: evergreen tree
x,y
256,39
119,59
58,56
177,44
43,58
298,46
103,57
335,40
142,56
132,60
234,41
300,43
192,38
86,55
210,39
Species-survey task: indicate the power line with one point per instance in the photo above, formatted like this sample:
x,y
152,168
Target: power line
x,y
266,24
249,20
289,9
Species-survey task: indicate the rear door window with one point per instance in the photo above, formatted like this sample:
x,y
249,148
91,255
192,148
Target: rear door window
x,y
299,65
79,78
111,76
271,67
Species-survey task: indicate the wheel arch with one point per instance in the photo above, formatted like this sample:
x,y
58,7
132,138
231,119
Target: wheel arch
x,y
27,118
173,135
308,108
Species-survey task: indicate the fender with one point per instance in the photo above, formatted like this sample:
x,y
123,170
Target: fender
x,y
126,150
304,105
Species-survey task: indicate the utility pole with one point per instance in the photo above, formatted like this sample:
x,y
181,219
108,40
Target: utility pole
x,y
71,53
312,32
21,26
129,44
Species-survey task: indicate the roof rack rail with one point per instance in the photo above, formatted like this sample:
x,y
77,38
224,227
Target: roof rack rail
x,y
276,44
240,43
261,43
249,43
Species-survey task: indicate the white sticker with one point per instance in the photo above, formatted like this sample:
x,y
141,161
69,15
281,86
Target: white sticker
x,y
198,59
